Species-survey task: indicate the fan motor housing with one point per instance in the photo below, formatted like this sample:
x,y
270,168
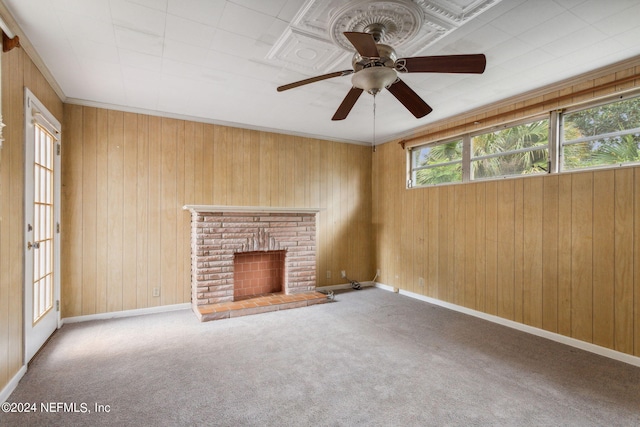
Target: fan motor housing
x,y
387,58
374,74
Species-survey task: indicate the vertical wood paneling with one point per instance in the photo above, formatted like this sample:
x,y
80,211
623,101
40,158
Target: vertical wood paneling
x,y
254,166
72,241
564,255
491,247
234,147
192,134
313,175
206,182
299,161
603,258
459,242
89,209
102,212
222,162
168,214
5,282
550,254
532,263
264,180
155,210
623,261
419,266
130,224
481,253
322,218
506,240
582,256
450,250
115,210
470,246
444,281
142,212
15,189
519,250
11,227
361,203
183,263
433,225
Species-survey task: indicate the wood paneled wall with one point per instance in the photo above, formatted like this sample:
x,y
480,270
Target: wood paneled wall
x,y
559,252
18,71
126,177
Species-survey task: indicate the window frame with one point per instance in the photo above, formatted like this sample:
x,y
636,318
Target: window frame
x,y
503,127
554,146
594,104
411,170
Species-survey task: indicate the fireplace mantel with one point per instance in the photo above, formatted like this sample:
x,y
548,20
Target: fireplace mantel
x,y
248,209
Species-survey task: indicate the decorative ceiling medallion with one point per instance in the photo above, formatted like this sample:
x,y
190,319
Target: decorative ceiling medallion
x,y
402,19
313,43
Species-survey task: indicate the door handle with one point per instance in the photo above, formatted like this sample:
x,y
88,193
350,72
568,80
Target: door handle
x,y
35,245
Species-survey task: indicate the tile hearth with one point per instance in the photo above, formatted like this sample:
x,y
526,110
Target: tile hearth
x,y
259,304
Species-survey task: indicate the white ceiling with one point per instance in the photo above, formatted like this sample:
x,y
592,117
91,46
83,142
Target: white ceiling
x,y
220,61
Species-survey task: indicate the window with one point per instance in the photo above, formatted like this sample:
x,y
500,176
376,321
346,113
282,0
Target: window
x,y
436,163
604,135
516,150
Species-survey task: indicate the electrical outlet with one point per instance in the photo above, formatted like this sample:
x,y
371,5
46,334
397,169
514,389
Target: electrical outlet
x,y
421,282
328,274
378,272
344,274
156,292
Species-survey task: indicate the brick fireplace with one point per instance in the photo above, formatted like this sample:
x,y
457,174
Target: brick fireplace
x,y
223,236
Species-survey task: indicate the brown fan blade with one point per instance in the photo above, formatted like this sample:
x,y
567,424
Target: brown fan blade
x,y
347,104
364,43
315,79
474,64
409,99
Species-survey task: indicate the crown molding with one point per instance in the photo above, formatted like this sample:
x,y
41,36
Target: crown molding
x,y
31,52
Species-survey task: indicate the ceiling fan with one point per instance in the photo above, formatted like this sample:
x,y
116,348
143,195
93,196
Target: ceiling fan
x,y
375,67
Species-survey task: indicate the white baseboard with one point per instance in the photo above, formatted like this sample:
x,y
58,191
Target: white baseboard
x,y
127,313
12,384
592,348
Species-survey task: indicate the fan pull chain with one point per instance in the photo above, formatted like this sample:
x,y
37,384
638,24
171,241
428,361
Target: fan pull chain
x,y
374,123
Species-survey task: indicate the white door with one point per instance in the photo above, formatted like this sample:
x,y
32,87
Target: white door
x,y
42,245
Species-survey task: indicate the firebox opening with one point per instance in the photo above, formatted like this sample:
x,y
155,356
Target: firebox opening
x,y
258,273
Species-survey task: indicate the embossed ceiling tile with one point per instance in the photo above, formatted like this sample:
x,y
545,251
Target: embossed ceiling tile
x,y
428,34
315,15
305,52
456,11
441,18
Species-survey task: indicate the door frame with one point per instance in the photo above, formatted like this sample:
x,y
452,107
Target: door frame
x,y
36,112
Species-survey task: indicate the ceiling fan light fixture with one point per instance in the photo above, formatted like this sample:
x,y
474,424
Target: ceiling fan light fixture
x,y
374,79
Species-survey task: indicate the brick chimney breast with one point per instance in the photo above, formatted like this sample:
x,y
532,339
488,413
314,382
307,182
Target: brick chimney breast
x,y
218,233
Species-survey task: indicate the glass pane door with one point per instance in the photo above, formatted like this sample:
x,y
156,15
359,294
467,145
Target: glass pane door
x,y
43,228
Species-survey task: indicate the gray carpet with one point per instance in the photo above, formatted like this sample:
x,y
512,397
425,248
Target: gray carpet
x,y
370,358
